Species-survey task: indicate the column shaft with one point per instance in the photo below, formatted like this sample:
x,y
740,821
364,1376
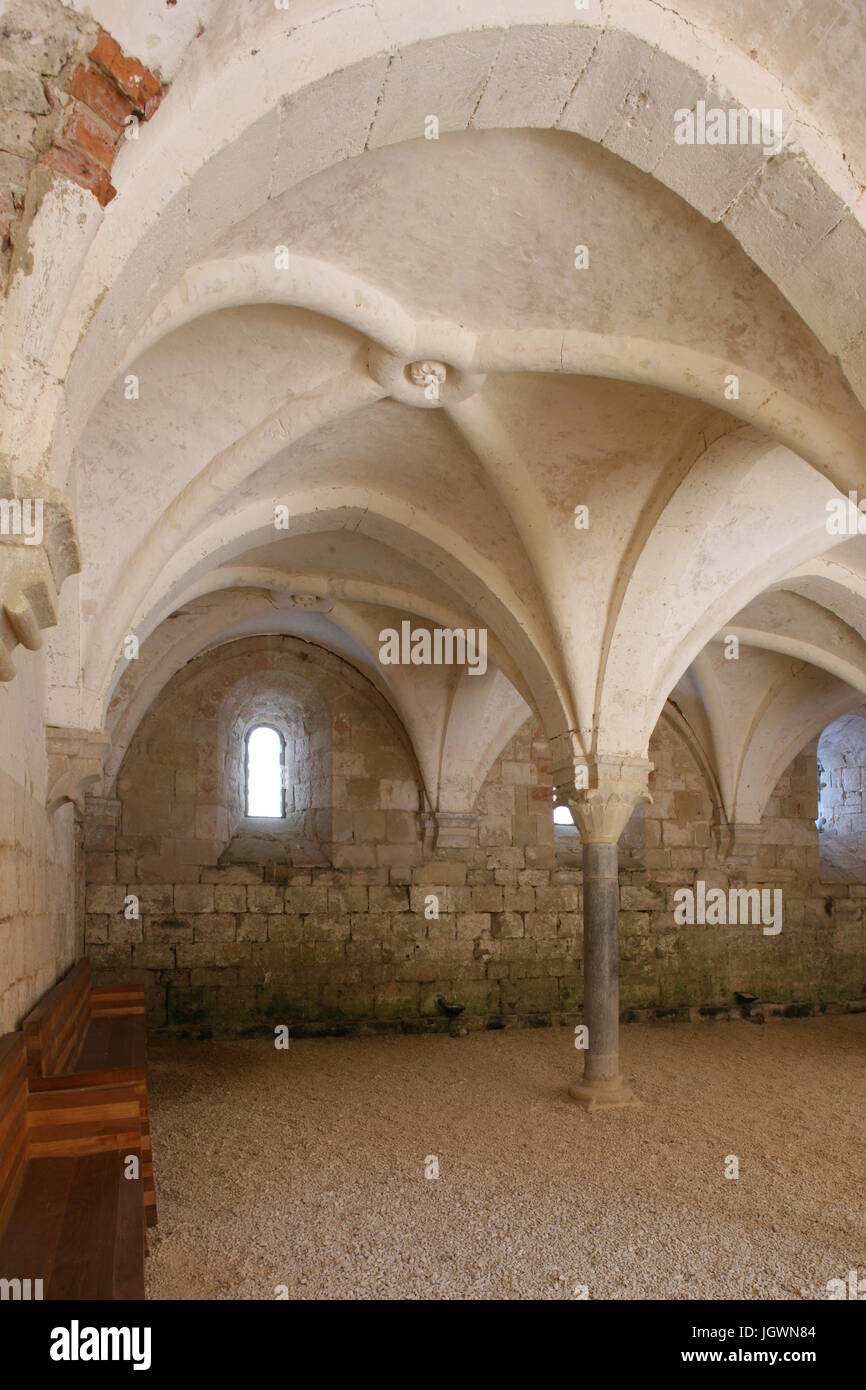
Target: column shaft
x,y
601,961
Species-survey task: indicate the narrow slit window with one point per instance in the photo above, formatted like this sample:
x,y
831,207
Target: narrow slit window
x,y
264,773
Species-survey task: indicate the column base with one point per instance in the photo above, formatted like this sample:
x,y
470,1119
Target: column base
x,y
604,1094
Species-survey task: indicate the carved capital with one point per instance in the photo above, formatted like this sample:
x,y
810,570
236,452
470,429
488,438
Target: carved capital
x,y
75,759
38,552
602,794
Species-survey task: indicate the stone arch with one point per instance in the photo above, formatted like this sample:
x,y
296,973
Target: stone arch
x,y
675,598
575,73
402,526
337,727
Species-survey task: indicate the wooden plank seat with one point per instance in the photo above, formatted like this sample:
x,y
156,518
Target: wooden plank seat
x,y
70,1216
81,1034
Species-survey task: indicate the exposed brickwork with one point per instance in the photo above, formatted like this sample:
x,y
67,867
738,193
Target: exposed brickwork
x,y
130,76
224,947
97,92
66,93
76,165
107,92
85,131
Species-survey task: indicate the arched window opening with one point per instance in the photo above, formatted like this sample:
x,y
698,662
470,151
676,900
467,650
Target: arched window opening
x,y
562,814
841,769
265,793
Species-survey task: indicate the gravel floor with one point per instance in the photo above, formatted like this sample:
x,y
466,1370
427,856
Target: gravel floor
x,y
306,1168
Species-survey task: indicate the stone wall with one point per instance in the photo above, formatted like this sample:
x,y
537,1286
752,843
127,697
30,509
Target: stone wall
x,y
819,954
40,915
334,928
842,753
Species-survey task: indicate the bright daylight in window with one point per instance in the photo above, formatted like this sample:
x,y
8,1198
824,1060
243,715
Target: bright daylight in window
x,y
264,773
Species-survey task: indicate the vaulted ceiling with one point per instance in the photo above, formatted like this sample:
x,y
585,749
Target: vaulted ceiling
x,y
236,333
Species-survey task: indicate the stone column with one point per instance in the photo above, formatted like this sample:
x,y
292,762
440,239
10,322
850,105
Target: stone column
x,y
604,794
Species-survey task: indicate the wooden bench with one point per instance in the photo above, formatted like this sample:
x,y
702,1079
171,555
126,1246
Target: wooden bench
x,y
81,1035
70,1216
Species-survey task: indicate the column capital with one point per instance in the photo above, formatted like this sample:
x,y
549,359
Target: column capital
x,y
602,793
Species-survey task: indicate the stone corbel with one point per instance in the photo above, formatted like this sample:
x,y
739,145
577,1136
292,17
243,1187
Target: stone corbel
x,y
75,761
736,843
103,808
456,830
427,824
38,552
448,830
602,793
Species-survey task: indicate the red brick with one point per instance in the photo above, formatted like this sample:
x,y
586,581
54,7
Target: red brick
x,y
101,95
142,88
76,165
105,51
84,130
